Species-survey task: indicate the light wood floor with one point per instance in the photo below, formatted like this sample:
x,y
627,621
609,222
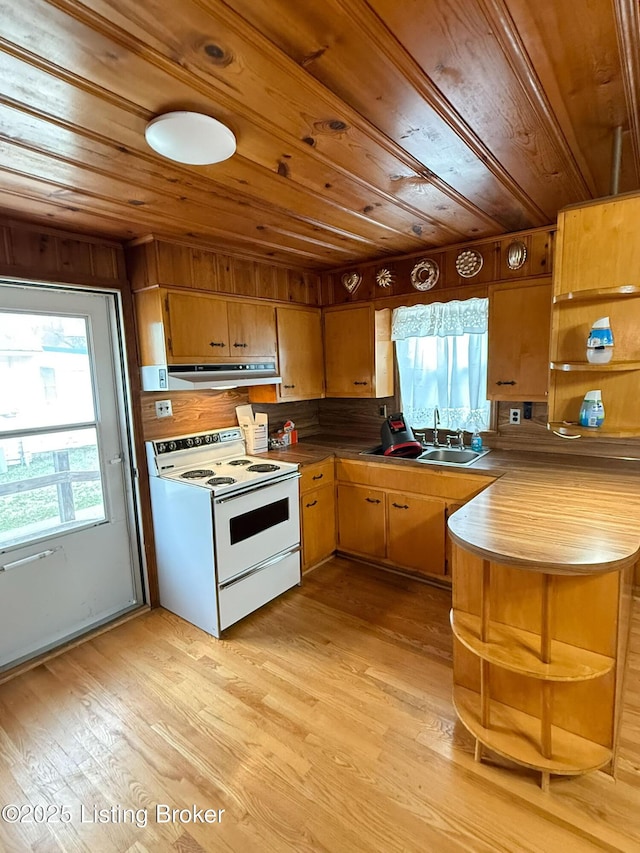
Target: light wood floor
x,y
322,722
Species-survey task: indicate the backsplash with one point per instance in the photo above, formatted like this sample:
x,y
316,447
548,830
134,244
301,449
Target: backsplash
x,y
533,435
354,418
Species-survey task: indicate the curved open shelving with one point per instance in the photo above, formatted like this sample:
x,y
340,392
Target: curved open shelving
x,y
516,735
567,430
520,651
623,291
586,366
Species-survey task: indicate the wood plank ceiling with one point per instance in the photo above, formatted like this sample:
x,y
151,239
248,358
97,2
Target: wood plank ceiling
x,y
365,129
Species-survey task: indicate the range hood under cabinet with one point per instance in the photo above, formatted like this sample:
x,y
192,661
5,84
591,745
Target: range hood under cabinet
x,y
201,377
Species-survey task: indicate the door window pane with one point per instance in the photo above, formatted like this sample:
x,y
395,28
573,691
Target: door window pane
x,y
49,483
45,371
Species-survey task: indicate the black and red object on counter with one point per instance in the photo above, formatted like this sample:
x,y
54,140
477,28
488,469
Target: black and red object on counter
x,y
398,439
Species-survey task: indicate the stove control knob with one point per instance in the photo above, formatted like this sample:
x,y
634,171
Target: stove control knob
x,y
189,442
208,439
197,441
162,447
172,445
215,436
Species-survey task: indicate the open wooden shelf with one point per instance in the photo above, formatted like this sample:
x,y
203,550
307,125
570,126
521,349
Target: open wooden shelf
x,y
566,430
519,651
596,368
623,291
516,735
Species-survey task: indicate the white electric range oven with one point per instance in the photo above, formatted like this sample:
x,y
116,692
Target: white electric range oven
x,y
226,527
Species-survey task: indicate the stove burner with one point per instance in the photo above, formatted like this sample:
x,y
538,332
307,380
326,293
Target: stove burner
x,y
197,474
220,481
263,468
239,462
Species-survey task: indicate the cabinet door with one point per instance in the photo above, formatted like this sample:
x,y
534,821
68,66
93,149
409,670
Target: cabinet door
x,y
349,352
318,525
197,327
252,329
416,535
300,354
361,520
519,328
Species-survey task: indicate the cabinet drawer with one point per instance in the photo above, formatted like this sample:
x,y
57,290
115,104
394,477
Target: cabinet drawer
x,y
400,477
316,474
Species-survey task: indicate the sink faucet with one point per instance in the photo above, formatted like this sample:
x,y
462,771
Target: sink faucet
x,y
436,421
460,434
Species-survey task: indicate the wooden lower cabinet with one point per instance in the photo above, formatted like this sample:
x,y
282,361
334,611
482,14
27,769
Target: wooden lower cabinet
x,y
416,533
317,512
396,515
361,520
318,525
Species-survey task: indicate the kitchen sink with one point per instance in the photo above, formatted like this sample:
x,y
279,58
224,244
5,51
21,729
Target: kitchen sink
x,y
450,456
437,455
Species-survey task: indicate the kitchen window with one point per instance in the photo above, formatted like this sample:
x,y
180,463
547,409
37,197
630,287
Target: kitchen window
x,y
441,350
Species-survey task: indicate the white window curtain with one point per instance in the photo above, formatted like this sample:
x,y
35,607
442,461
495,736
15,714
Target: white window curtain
x,y
441,350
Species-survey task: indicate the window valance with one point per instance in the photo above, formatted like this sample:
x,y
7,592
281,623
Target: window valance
x,y
441,319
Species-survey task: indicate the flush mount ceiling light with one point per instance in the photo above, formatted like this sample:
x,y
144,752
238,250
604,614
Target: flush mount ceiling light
x,y
191,138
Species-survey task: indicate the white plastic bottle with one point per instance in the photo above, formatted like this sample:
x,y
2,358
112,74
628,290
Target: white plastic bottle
x,y
592,410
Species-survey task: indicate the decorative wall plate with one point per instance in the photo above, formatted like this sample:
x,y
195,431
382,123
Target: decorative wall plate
x,y
351,281
469,263
425,274
384,277
516,254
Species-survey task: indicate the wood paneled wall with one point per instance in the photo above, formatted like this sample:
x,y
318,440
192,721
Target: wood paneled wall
x,y
34,253
154,262
538,244
199,411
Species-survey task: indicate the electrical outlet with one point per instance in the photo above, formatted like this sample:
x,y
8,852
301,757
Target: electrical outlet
x,y
382,411
514,416
163,409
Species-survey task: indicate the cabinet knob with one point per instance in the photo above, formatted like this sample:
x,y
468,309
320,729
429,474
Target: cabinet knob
x,y
216,344
400,506
240,345
317,476
359,383
509,382
313,503
372,500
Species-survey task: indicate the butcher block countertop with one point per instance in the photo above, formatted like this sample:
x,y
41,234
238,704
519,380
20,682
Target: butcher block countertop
x,y
545,512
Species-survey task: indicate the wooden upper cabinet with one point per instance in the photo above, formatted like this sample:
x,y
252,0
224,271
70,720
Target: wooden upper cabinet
x,y
176,327
519,329
252,329
358,352
300,353
197,327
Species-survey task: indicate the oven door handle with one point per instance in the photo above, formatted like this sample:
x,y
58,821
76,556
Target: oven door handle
x,y
271,561
252,489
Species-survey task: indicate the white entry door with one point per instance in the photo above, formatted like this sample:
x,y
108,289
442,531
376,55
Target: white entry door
x,y
69,557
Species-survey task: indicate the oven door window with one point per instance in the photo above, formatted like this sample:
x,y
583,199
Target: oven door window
x,y
258,520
